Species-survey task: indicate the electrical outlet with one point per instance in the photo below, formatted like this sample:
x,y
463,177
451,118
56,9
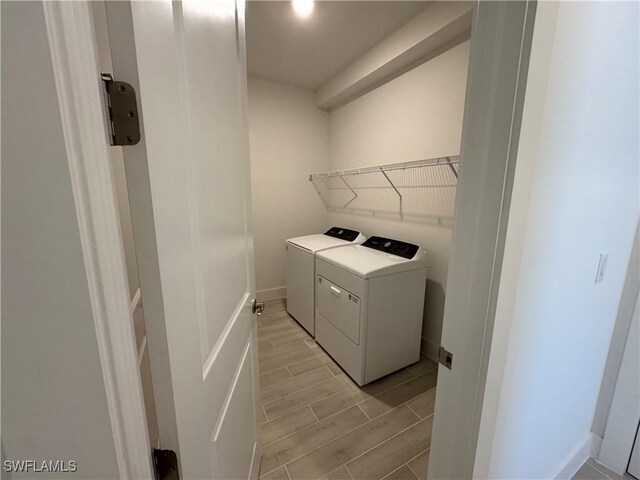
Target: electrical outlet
x,y
602,267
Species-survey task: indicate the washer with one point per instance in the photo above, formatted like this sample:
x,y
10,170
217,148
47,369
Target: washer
x,y
369,306
300,270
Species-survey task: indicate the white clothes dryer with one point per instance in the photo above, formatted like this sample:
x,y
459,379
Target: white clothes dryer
x,y
369,306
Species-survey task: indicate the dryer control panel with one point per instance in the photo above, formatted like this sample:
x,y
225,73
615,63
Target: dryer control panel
x,y
342,233
394,247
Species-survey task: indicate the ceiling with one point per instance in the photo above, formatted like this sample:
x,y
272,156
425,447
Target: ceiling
x,y
307,52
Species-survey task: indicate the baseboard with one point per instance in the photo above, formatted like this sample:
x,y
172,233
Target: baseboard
x,y
429,349
596,443
271,294
572,462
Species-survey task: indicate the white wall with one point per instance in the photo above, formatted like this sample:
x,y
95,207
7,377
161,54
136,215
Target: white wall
x,y
417,115
575,196
54,404
288,140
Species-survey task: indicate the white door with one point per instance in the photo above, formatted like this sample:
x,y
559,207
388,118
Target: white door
x,y
189,60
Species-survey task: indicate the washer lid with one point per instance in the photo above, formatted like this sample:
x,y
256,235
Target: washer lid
x,y
323,241
368,262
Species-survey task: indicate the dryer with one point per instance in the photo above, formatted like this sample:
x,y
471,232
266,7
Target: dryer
x,y
369,306
300,270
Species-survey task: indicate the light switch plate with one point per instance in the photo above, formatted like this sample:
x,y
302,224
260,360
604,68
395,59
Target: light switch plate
x,y
602,267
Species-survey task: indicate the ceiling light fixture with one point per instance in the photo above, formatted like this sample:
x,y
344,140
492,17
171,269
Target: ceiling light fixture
x,y
303,8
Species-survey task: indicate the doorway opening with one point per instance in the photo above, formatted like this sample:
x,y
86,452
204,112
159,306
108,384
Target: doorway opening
x,y
371,152
361,132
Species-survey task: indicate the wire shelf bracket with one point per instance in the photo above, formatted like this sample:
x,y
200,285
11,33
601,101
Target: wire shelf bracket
x,y
450,161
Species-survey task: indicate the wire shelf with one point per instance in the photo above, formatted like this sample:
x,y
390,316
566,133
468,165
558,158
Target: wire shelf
x,y
418,190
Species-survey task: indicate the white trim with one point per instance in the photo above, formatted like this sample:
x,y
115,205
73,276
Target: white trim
x,y
498,63
596,443
73,54
135,301
618,339
232,389
622,422
429,349
572,462
215,351
271,294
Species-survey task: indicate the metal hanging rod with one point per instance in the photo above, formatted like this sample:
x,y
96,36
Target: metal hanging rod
x,y
449,161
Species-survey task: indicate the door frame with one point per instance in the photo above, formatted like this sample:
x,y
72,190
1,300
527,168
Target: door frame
x,y
501,39
73,51
74,60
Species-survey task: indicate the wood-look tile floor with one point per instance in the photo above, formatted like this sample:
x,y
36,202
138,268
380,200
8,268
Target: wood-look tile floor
x,y
317,423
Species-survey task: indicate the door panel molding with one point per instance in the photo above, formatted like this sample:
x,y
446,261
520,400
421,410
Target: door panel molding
x,y
227,443
226,333
198,169
74,57
232,389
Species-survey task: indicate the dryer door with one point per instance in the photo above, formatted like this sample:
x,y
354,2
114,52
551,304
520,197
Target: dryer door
x,y
339,307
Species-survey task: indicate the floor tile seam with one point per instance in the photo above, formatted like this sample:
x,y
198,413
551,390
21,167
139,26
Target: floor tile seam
x,y
348,471
292,433
325,443
291,341
365,413
287,472
346,433
289,364
412,459
333,395
265,414
300,389
412,470
386,439
398,385
281,354
303,389
276,333
594,465
309,405
409,407
417,396
394,471
279,381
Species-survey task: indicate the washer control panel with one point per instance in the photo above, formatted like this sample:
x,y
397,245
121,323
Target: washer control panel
x,y
342,233
394,247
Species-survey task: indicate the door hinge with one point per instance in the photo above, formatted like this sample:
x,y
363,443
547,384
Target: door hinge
x,y
165,464
445,357
122,111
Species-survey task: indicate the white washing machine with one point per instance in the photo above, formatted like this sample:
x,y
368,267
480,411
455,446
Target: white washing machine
x,y
369,306
300,270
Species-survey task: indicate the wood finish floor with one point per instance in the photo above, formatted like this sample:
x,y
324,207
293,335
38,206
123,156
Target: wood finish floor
x,y
317,423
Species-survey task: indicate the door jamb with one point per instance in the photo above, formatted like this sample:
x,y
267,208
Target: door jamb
x,y
74,59
501,39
